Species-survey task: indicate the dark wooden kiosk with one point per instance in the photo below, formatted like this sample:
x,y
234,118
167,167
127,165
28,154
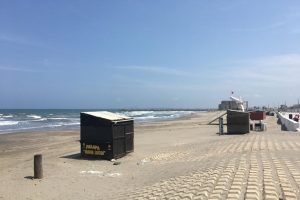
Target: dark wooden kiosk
x,y
238,122
106,135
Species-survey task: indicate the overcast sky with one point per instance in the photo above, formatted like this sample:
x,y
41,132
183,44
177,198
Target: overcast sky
x,y
137,54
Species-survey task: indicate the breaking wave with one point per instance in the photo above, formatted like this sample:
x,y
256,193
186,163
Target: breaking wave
x,y
31,120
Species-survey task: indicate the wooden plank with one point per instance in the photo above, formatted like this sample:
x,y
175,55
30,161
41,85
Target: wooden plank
x,y
221,115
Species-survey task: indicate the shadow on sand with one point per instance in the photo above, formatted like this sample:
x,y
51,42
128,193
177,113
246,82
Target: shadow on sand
x,y
225,134
77,156
29,177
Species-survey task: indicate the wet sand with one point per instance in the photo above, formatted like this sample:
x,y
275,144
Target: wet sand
x,y
179,159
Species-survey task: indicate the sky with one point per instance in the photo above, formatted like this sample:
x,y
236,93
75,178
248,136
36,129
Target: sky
x,y
148,54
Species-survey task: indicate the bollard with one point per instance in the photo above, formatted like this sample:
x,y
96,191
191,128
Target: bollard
x,y
221,128
38,166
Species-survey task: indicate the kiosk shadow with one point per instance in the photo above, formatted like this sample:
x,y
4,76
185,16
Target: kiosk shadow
x,y
78,156
226,134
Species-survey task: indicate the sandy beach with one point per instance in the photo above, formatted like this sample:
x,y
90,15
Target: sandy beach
x,y
177,159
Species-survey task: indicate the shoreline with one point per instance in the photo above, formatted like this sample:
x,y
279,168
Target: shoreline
x,y
64,168
171,159
74,129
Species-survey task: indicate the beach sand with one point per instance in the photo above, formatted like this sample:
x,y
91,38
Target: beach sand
x,y
178,159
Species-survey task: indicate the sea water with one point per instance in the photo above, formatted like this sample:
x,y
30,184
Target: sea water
x,y
25,120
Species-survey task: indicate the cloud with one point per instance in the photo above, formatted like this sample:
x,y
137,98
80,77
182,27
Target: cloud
x,y
268,27
295,31
18,40
281,71
261,80
288,22
156,70
4,68
231,5
287,60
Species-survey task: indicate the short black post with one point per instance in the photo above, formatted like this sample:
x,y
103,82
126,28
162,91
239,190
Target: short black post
x,y
221,129
38,166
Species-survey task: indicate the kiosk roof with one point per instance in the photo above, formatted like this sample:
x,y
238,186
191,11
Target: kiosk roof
x,y
108,115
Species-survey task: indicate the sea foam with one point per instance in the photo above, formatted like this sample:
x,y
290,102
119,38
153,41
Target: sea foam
x,y
8,123
20,120
34,116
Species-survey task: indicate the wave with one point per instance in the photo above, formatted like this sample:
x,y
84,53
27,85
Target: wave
x,y
152,115
37,127
147,118
7,116
8,123
15,122
34,116
58,118
28,128
137,113
71,123
39,120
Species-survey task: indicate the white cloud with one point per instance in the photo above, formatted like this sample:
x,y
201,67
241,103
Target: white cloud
x,y
287,22
4,68
231,5
261,80
279,68
267,27
156,70
295,31
274,78
287,60
18,40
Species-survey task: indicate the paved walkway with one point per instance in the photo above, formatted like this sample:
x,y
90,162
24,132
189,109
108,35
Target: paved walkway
x,y
259,165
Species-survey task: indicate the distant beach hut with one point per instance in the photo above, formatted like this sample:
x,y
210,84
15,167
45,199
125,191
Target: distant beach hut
x,y
258,115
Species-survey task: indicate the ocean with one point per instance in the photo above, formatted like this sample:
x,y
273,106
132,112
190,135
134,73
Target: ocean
x,y
28,120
